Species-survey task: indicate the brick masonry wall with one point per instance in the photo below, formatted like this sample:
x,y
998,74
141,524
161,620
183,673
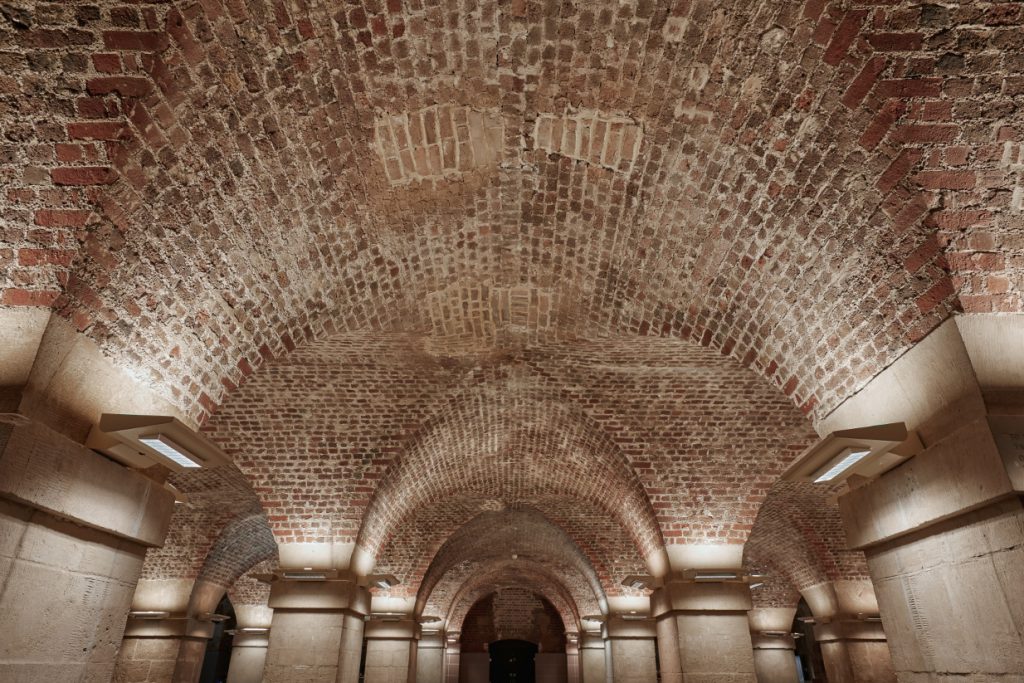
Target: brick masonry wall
x,y
513,613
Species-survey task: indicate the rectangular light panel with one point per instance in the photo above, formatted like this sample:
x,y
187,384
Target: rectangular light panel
x,y
844,464
170,450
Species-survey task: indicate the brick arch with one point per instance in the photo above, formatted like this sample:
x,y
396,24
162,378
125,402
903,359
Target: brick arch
x,y
218,500
491,535
507,450
531,576
512,613
809,169
244,543
800,534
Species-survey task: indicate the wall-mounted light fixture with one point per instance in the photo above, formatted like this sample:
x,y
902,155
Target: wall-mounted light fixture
x,y
144,440
383,581
430,619
305,575
638,581
211,616
249,631
388,616
757,584
148,614
865,452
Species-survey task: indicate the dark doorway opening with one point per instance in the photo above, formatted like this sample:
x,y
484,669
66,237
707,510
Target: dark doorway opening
x,y
512,661
810,665
218,648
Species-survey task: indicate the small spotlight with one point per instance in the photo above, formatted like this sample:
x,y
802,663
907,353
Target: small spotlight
x,y
756,585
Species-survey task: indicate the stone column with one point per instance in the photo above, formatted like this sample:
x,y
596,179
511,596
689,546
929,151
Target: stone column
x,y
452,657
944,531
390,651
162,650
572,658
774,656
249,643
854,651
849,632
430,658
670,668
630,649
74,528
317,631
592,660
712,627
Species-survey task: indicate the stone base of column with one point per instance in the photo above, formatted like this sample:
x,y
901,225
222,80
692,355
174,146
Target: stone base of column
x,y
390,651
248,658
592,660
162,650
855,652
631,650
430,659
775,659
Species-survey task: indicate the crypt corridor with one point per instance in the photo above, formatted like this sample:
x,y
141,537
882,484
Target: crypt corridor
x,y
520,327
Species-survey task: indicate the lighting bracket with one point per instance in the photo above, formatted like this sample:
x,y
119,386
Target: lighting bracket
x,y
855,455
140,441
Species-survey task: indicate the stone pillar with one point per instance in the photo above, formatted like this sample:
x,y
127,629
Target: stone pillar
x,y
572,658
317,631
74,528
712,628
774,656
849,632
452,657
162,650
390,651
430,658
854,651
630,649
670,668
944,532
249,643
592,659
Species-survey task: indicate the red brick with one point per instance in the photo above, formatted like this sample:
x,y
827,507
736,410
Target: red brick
x,y
28,297
126,86
865,80
98,130
880,125
895,42
65,218
150,41
844,36
84,175
910,87
106,63
897,170
946,180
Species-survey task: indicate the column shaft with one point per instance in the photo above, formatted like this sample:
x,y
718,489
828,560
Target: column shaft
x,y
248,658
317,632
73,532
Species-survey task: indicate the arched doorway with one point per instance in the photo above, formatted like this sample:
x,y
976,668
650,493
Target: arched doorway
x,y
512,661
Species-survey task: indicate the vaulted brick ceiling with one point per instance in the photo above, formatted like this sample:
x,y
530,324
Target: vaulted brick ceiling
x,y
413,263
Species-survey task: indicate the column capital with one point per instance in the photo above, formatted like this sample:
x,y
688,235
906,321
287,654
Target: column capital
x,y
700,596
849,629
391,629
172,626
337,595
